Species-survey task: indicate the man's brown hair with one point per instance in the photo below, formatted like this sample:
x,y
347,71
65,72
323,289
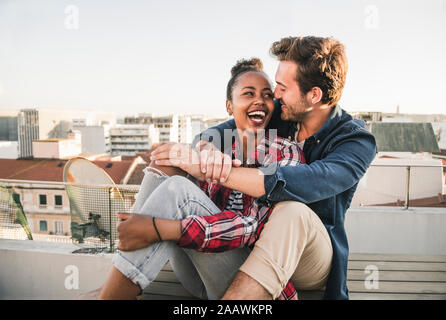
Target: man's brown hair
x,y
321,62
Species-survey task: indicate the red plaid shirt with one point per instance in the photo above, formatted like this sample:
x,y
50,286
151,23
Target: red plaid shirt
x,y
242,219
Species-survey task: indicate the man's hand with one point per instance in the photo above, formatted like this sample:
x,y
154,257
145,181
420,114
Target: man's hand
x,y
204,163
214,164
178,155
135,231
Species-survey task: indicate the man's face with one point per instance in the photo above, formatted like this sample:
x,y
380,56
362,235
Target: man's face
x,y
295,106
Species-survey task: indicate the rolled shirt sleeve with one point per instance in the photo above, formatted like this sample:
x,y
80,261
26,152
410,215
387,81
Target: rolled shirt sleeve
x,y
221,232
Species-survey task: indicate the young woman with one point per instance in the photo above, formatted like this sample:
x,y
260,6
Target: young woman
x,y
178,220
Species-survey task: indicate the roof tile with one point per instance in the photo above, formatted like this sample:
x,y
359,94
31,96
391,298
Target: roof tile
x,y
52,170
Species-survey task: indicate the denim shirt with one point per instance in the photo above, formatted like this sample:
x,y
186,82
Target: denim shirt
x,y
337,157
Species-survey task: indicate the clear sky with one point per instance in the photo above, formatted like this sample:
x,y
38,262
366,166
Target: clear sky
x,y
175,56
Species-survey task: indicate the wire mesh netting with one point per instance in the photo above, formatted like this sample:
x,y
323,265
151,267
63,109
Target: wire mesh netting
x,y
93,215
13,222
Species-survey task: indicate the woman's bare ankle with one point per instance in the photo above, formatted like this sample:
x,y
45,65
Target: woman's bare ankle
x,y
119,287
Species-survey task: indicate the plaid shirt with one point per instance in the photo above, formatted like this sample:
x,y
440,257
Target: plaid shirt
x,y
242,219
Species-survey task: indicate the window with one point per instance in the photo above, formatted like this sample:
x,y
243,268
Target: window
x,y
58,200
43,225
42,199
58,227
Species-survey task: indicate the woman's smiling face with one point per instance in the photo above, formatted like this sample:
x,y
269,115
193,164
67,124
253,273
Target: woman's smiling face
x,y
252,101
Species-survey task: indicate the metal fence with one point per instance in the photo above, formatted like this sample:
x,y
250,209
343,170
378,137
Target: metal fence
x,y
408,177
92,211
93,214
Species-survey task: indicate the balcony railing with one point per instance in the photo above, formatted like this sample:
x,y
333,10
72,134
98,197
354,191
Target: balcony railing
x,y
129,133
130,139
140,146
93,209
92,212
408,177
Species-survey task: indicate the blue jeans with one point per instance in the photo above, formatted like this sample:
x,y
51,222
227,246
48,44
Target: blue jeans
x,y
204,275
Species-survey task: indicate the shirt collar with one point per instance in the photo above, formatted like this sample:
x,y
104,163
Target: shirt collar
x,y
336,115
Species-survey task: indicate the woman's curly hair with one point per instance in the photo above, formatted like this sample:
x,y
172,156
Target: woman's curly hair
x,y
242,66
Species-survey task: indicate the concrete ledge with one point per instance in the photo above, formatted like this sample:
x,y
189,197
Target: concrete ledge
x,y
45,270
393,230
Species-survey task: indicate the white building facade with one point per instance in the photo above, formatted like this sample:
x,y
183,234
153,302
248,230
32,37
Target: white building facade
x,y
130,139
9,149
57,148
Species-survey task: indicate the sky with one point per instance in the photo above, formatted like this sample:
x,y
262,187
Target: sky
x,y
163,57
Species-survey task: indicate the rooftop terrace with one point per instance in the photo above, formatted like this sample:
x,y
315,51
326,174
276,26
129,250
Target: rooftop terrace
x,y
394,254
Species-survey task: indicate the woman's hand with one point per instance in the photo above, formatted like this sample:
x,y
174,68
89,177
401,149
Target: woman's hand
x,y
135,231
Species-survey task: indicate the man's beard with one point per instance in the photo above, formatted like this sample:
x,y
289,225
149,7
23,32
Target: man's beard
x,y
296,116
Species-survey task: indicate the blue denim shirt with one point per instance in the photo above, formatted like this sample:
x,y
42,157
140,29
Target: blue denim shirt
x,y
337,157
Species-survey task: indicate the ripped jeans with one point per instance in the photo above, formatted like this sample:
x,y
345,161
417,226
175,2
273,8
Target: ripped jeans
x,y
204,275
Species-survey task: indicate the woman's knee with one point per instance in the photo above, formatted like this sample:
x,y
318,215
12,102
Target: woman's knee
x,y
176,190
177,185
168,170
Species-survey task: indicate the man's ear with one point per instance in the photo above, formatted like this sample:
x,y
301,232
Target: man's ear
x,y
229,107
315,95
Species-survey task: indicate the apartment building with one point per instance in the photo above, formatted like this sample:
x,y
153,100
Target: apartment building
x,y
175,127
130,139
40,188
28,130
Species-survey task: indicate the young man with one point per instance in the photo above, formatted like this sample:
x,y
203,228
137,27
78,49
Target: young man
x,y
304,239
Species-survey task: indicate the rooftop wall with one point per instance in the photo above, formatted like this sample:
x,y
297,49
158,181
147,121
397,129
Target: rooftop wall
x,y
45,270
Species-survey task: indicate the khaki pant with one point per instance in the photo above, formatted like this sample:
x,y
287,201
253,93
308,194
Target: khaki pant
x,y
294,244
